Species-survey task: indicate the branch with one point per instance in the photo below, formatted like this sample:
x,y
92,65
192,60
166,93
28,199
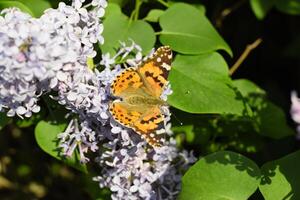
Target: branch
x,y
249,48
228,11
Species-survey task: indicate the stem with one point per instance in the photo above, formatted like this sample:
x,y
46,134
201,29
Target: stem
x,y
131,16
248,49
138,4
163,3
228,11
158,33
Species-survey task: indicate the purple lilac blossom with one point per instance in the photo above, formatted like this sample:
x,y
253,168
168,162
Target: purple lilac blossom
x,y
34,51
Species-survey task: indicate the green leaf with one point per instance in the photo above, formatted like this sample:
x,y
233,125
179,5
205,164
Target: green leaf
x,y
21,6
118,28
273,122
281,178
33,7
188,130
90,63
223,175
154,15
269,118
261,7
119,2
247,87
201,84
113,9
46,137
36,6
4,120
291,7
187,30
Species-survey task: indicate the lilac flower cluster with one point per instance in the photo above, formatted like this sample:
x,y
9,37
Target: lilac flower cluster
x,y
130,168
295,110
50,53
33,51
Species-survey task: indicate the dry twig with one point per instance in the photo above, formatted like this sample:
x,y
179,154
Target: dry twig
x,y
244,55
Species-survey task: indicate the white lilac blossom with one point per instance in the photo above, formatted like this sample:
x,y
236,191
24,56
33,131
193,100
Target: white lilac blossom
x,y
86,93
34,51
295,110
134,171
131,169
50,53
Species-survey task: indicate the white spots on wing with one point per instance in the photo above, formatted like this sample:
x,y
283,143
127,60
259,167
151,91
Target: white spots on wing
x,y
160,131
158,59
166,66
152,135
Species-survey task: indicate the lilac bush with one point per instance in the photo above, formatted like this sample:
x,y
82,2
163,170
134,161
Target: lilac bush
x,y
50,54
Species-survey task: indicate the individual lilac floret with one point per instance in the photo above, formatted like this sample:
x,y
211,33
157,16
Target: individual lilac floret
x,y
34,51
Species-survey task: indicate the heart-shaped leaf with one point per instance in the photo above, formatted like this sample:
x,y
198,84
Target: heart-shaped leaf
x,y
118,28
186,29
201,84
281,178
46,136
268,117
222,175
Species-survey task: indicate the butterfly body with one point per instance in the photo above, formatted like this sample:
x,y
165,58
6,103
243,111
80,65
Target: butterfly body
x,y
138,90
143,101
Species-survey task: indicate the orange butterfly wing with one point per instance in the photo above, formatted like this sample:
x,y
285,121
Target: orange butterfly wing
x,y
147,82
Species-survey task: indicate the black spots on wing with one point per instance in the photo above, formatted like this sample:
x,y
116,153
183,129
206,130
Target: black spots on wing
x,y
147,74
152,119
165,73
155,78
129,77
113,84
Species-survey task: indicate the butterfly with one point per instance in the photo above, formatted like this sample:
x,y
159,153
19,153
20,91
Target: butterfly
x,y
138,90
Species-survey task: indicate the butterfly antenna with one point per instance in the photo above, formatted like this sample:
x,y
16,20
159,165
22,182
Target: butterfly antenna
x,y
180,122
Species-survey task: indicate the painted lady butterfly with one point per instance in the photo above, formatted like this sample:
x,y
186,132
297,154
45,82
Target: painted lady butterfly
x,y
138,90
